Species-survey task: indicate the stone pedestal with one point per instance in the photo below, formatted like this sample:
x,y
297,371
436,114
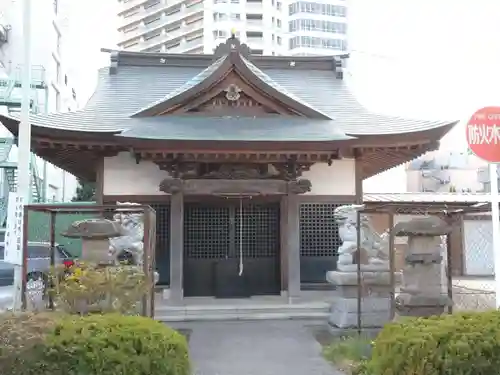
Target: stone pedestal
x,y
421,292
375,298
96,251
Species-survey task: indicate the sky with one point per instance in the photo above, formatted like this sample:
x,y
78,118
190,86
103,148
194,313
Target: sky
x,y
435,59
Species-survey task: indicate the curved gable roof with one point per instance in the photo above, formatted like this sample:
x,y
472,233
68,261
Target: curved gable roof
x,y
234,60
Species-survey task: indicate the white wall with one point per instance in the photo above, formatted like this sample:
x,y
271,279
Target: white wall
x,y
337,179
122,176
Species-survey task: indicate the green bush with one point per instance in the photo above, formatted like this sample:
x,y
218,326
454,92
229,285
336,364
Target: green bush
x,y
458,344
108,344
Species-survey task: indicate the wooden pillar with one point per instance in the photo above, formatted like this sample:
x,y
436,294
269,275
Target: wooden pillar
x,y
176,246
293,246
99,181
456,239
283,245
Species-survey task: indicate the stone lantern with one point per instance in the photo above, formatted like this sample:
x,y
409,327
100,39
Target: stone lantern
x,y
421,291
95,235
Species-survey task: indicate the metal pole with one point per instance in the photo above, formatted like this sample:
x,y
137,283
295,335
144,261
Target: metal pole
x,y
24,140
44,185
495,219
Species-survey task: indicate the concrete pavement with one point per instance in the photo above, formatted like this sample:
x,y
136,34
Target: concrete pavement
x,y
255,348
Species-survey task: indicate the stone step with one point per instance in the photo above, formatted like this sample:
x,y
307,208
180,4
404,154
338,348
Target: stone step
x,y
317,311
316,287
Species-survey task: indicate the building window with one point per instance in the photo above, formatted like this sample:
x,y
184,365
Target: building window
x,y
317,8
317,25
278,5
235,16
278,22
314,42
279,41
220,34
66,79
220,16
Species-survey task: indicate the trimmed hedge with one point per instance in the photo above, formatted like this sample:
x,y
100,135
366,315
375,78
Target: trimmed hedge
x,y
108,344
457,344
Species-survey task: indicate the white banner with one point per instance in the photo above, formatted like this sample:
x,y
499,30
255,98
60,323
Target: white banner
x,y
14,233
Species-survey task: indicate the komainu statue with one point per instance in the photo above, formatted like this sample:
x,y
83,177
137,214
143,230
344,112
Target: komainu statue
x,y
131,241
374,247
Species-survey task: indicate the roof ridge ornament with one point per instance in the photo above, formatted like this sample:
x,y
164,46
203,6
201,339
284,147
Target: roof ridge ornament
x,y
233,45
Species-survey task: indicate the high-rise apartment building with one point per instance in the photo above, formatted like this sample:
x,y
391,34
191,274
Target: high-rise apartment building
x,y
317,27
198,26
269,27
52,87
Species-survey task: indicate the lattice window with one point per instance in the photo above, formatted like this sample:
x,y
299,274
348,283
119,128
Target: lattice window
x,y
206,232
319,235
260,229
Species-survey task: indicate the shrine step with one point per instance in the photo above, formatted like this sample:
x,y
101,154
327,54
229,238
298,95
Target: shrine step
x,y
314,311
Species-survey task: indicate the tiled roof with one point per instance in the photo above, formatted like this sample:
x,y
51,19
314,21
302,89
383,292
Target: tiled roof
x,y
132,88
471,198
235,128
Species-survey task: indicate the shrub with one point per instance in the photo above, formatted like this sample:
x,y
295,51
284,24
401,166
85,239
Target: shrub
x,y
108,344
458,344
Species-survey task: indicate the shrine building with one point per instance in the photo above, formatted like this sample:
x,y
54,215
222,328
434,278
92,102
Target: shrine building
x,y
244,158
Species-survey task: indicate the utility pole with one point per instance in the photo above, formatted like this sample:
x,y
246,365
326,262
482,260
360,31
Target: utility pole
x,y
495,220
24,145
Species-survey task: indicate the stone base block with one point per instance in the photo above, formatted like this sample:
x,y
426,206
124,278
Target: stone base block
x,y
375,312
380,278
421,305
96,251
368,304
344,319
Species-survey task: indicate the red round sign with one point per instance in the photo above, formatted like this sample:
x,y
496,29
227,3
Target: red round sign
x,y
483,134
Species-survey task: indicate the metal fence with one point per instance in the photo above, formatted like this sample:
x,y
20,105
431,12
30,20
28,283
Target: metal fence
x,y
399,273
51,225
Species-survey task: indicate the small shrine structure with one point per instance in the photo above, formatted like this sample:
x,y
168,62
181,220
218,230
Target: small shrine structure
x,y
243,157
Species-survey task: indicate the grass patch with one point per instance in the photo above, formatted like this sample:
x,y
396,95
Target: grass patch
x,y
349,353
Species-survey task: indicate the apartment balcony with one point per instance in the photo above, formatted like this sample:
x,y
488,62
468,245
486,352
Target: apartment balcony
x,y
254,7
189,45
144,13
162,22
169,36
255,42
254,24
125,6
4,34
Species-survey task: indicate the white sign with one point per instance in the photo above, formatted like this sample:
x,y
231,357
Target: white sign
x,y
13,252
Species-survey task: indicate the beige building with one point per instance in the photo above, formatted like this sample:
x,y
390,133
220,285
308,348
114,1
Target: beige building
x,y
444,171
